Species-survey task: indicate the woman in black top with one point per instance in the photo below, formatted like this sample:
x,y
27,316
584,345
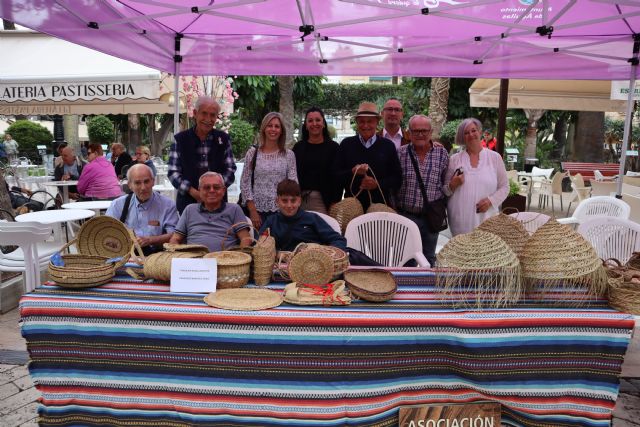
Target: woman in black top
x,y
315,154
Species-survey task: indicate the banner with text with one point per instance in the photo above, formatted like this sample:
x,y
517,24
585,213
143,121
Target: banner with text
x,y
72,91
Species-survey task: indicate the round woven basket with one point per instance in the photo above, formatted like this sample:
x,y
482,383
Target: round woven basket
x,y
508,229
98,240
557,256
158,266
371,285
346,210
340,258
623,286
244,299
313,266
482,266
233,268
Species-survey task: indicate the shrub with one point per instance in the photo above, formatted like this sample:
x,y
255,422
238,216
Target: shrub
x,y
28,135
242,135
448,133
100,130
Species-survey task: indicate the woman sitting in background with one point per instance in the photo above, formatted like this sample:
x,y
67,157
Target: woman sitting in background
x,y
264,168
476,180
98,180
315,155
143,155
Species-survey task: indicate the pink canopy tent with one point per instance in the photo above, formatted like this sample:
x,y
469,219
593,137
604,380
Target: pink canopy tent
x,y
534,39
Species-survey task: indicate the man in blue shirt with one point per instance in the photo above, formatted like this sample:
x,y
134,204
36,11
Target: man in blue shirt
x,y
152,216
198,150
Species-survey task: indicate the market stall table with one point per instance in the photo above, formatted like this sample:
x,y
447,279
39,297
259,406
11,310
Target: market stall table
x,y
131,353
58,217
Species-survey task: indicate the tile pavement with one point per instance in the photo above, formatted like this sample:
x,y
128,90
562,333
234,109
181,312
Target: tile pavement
x,y
19,397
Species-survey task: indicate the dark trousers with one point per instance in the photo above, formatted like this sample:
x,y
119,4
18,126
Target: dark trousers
x,y
429,238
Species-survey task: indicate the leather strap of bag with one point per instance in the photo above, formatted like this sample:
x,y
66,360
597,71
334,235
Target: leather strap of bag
x,y
253,166
423,190
125,208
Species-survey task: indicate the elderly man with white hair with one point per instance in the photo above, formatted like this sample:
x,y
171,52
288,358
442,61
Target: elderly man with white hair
x,y
152,216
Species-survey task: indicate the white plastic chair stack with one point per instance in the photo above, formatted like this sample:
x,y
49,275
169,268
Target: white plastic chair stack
x,y
531,220
612,237
598,206
388,238
27,235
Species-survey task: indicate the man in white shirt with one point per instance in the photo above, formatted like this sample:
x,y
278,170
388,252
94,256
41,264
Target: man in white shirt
x,y
392,114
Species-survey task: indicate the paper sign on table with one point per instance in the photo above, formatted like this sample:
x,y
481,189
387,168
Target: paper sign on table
x,y
194,275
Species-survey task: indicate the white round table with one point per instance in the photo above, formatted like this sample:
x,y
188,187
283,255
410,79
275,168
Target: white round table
x,y
56,217
94,205
65,188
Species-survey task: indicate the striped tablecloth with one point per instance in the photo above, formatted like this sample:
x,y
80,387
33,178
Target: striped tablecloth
x,y
133,354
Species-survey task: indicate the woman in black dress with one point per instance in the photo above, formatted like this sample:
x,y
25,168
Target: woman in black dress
x,y
315,154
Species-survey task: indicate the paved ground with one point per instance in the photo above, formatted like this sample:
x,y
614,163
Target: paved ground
x,y
19,396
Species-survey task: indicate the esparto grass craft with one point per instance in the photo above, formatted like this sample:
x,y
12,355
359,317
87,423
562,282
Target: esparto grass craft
x,y
244,299
508,229
557,256
334,293
623,283
373,285
347,209
481,265
233,268
158,265
264,256
312,266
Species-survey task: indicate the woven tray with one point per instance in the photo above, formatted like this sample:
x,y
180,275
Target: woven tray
x,y
233,268
244,299
371,285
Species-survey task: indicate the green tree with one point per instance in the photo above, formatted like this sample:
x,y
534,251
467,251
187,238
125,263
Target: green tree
x,y
28,135
242,134
100,130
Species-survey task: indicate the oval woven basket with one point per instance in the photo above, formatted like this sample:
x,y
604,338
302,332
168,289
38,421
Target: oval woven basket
x,y
233,268
371,285
623,289
82,271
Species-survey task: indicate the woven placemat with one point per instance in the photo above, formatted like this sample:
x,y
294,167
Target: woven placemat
x,y
508,229
244,299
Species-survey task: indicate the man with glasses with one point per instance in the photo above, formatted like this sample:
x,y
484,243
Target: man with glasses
x,y
432,161
152,216
208,222
392,119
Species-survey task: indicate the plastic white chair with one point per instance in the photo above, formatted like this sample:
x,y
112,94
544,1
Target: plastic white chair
x,y
612,237
598,206
531,220
580,192
27,235
552,188
388,238
598,175
331,221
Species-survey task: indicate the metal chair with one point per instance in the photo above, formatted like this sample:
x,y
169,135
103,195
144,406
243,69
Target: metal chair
x,y
612,237
531,220
27,235
387,238
598,206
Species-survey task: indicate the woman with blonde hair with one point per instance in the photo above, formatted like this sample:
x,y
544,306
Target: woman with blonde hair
x,y
476,180
264,167
143,155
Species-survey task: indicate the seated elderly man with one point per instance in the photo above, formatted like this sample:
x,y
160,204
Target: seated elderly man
x,y
152,216
70,167
207,223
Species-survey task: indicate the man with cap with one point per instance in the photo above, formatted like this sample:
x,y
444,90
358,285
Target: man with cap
x,y
392,114
371,158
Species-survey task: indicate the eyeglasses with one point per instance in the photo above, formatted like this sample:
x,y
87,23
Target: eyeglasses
x,y
420,131
212,187
393,110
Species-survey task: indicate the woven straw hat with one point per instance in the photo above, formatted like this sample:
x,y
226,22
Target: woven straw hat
x,y
244,299
368,109
313,266
484,265
557,256
104,236
508,229
371,285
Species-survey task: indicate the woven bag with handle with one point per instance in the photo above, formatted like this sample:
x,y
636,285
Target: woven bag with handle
x,y
348,208
378,207
158,266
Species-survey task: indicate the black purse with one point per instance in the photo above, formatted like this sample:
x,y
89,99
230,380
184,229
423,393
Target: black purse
x,y
434,213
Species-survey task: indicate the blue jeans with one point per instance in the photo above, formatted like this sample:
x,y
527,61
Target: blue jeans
x,y
429,239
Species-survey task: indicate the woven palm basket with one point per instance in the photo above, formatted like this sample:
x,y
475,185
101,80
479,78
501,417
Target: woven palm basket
x,y
264,255
508,229
339,257
98,240
313,266
480,266
371,285
158,265
346,210
623,286
244,299
556,256
233,268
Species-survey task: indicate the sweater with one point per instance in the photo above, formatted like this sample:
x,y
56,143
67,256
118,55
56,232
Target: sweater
x,y
98,180
381,158
313,164
303,227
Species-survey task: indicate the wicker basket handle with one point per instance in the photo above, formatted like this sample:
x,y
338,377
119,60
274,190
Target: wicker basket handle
x,y
283,259
379,188
66,246
230,229
351,186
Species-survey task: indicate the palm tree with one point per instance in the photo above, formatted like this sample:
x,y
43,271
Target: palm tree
x,y
286,107
438,104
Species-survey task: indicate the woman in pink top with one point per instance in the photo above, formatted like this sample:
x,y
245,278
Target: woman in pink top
x,y
98,179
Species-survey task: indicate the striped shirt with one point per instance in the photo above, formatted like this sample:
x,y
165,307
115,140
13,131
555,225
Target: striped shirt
x,y
432,169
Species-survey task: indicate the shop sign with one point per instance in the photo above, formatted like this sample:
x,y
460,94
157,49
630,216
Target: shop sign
x,y
73,91
620,90
33,110
482,414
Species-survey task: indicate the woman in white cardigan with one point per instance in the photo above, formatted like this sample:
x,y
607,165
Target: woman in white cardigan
x,y
476,180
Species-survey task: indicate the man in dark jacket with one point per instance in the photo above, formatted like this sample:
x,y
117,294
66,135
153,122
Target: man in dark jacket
x,y
198,150
120,158
371,158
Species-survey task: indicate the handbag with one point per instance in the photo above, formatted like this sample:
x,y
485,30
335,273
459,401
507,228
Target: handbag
x,y
434,213
241,201
378,207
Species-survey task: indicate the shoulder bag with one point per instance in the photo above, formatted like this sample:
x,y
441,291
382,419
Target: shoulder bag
x,y
434,213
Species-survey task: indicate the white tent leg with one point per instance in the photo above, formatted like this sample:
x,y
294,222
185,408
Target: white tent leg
x,y
176,86
629,117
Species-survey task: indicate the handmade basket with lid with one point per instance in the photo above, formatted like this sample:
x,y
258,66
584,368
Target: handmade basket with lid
x,y
371,285
98,240
233,268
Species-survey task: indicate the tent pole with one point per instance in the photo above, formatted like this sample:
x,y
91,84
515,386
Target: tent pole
x,y
502,114
629,117
177,59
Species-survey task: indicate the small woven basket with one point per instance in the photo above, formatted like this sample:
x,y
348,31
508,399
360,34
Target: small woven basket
x,y
98,240
339,257
347,209
312,266
264,255
508,229
158,265
233,268
371,285
378,207
623,286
